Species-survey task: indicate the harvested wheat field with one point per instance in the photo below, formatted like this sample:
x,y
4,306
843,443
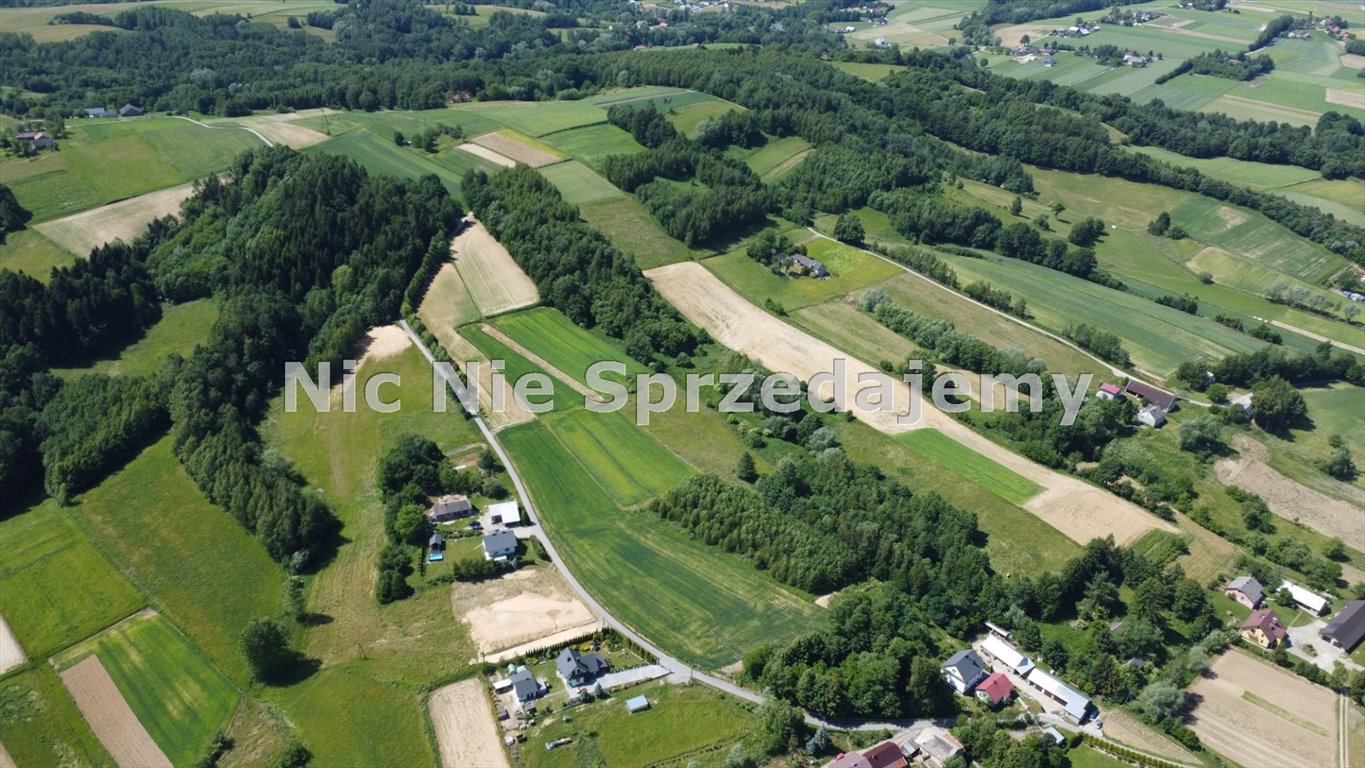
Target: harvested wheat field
x,y
1291,499
1079,510
488,154
1261,715
520,151
465,729
82,232
447,303
1346,98
110,717
493,279
522,607
11,653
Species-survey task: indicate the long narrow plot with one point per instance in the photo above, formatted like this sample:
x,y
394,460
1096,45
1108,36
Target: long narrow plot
x,y
493,278
110,717
1079,510
11,653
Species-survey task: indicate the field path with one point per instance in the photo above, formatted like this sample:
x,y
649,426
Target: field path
x,y
1079,510
544,364
1317,337
249,130
465,729
110,717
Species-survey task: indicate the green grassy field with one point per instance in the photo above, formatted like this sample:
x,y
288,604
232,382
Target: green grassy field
x,y
579,184
35,21
104,161
687,118
1158,338
180,328
55,587
169,541
702,604
517,366
537,118
850,269
869,72
632,229
681,720
176,694
629,464
384,123
28,251
1332,410
971,465
381,156
552,336
592,143
777,157
40,725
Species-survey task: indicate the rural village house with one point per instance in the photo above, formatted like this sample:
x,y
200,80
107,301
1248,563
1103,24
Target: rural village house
x,y
1152,416
128,110
1347,629
500,545
445,509
1109,392
811,266
1263,627
938,744
579,668
963,670
995,689
885,755
1245,590
35,139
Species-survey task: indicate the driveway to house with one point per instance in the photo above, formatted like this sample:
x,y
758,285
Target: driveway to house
x,y
1306,643
632,676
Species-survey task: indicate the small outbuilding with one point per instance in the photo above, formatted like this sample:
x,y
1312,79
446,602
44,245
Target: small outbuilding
x,y
637,704
996,648
1309,601
128,110
507,513
1109,392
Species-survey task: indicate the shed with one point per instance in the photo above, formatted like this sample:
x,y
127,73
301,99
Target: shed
x,y
1151,394
508,513
437,541
1074,703
637,704
1109,391
1347,629
1057,737
1006,654
1310,601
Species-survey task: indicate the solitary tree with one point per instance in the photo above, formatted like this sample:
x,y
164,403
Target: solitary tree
x,y
746,469
1016,205
266,648
1057,208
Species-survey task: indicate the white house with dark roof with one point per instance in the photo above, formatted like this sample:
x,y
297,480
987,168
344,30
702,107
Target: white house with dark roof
x,y
963,670
500,545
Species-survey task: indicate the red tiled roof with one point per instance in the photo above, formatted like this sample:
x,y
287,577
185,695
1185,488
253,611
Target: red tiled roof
x,y
997,687
1112,389
885,755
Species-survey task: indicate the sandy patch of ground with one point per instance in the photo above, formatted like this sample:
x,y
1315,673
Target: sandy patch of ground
x,y
544,364
11,653
519,151
824,600
465,729
110,717
1293,500
82,232
494,280
1352,61
1231,216
1127,729
5,760
381,342
488,154
1346,98
522,607
1079,510
1260,715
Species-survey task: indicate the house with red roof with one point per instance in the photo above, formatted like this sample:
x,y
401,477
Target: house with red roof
x,y
995,689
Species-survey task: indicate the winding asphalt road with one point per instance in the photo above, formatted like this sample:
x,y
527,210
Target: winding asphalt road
x,y
679,671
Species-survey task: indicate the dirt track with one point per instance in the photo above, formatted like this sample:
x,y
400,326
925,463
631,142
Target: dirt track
x,y
82,232
110,718
493,278
11,653
1077,509
1293,500
465,728
1260,715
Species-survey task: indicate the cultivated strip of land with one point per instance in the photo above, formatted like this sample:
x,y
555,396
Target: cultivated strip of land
x,y
110,718
1077,509
493,278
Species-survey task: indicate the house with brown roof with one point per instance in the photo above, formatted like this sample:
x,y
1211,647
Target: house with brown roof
x,y
1109,391
885,755
1348,628
1162,399
1264,628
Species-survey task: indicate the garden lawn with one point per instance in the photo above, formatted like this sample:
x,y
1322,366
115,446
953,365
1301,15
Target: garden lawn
x,y
176,694
55,588
695,601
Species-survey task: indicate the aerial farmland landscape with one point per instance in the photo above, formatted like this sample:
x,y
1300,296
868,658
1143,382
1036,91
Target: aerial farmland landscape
x,y
714,383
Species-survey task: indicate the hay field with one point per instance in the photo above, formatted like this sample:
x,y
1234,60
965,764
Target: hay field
x,y
1259,714
82,232
462,716
519,147
447,303
485,153
493,279
579,184
1077,509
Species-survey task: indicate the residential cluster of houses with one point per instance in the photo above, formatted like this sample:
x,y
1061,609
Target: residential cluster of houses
x,y
967,674
1158,402
1131,18
932,746
1077,30
498,545
127,110
574,668
1265,628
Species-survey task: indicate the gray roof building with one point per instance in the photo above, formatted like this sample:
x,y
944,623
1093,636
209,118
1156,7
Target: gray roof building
x,y
499,544
524,684
1249,587
964,670
579,668
1347,629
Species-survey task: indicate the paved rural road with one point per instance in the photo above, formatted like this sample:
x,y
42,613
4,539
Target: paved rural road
x,y
1006,315
679,670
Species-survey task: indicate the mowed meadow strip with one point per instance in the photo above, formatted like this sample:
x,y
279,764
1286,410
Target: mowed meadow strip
x,y
706,606
980,470
175,693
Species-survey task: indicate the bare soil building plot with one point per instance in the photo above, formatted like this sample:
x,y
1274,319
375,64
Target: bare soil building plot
x,y
465,730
